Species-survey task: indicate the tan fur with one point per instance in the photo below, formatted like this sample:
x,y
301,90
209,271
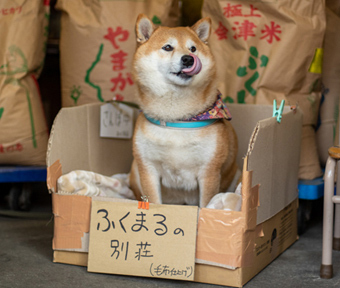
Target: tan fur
x,y
189,163
224,163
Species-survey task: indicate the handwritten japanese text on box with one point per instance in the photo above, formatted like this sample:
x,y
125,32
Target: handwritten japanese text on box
x,y
159,242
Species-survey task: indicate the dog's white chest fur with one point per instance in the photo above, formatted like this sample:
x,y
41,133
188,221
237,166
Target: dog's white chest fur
x,y
178,155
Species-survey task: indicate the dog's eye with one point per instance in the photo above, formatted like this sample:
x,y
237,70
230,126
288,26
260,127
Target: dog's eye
x,y
193,49
168,48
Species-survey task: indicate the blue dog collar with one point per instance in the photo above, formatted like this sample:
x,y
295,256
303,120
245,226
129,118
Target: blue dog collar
x,y
182,124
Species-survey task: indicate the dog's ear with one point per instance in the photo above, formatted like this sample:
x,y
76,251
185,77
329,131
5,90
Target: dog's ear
x,y
203,28
144,28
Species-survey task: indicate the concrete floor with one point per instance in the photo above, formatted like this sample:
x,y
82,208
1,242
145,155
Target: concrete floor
x,y
26,258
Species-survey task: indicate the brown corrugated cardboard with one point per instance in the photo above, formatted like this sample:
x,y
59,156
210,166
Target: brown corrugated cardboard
x,y
265,252
75,142
272,155
71,234
279,232
274,172
227,238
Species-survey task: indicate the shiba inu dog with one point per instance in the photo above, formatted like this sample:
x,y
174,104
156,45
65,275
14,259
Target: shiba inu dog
x,y
184,147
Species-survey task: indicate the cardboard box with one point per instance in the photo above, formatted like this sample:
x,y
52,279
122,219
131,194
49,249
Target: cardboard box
x,y
245,241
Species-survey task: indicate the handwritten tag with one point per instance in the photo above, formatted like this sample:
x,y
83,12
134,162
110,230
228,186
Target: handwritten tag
x,y
159,242
116,121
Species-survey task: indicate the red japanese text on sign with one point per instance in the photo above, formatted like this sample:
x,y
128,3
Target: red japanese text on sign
x,y
232,10
221,31
237,10
270,32
120,81
11,10
118,60
252,12
246,29
120,34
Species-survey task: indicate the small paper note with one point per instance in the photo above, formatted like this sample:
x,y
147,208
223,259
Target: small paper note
x,y
116,121
159,242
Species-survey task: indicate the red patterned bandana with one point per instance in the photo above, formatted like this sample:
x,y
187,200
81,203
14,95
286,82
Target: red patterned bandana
x,y
218,110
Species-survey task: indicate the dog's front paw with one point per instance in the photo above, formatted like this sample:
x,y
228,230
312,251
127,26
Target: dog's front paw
x,y
228,201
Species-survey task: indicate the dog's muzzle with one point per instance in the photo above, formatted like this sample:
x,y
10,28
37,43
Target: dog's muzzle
x,y
192,64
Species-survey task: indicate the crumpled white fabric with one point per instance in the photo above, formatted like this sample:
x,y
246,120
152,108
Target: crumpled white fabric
x,y
228,201
93,184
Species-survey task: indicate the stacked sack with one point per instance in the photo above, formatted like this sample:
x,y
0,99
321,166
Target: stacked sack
x,y
269,50
24,31
97,44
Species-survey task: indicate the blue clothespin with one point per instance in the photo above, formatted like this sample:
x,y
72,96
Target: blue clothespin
x,y
278,112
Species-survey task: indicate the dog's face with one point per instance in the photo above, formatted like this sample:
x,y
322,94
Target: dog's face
x,y
177,57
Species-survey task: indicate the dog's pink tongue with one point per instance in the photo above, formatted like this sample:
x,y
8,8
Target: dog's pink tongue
x,y
195,68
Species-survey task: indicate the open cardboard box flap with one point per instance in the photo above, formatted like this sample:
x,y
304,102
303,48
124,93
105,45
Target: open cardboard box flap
x,y
75,142
273,151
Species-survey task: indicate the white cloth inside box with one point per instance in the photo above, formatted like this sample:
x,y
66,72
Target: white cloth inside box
x,y
91,184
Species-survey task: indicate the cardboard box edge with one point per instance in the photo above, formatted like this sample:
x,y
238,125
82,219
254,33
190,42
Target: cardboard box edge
x,y
216,275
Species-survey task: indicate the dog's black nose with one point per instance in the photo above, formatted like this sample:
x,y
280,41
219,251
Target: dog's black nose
x,y
187,61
